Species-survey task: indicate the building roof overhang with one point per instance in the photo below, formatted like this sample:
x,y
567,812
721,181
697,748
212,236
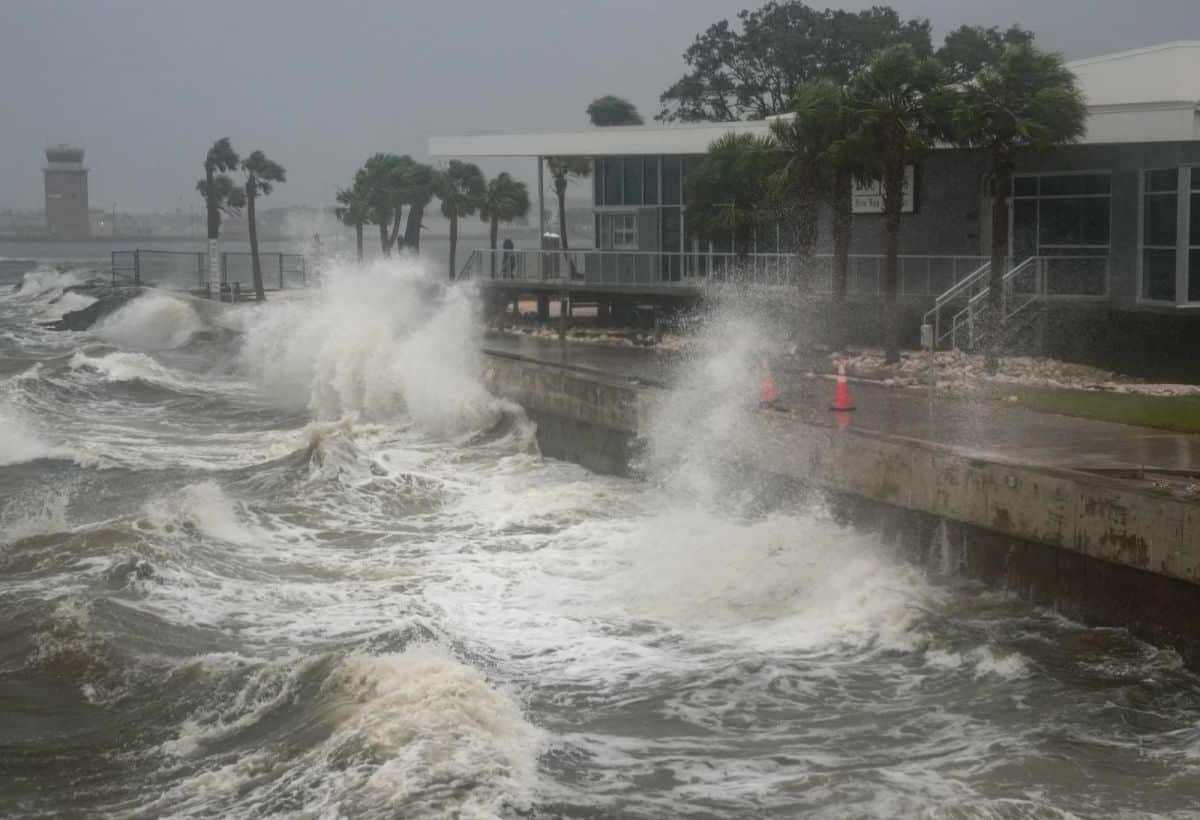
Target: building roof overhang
x,y
1143,95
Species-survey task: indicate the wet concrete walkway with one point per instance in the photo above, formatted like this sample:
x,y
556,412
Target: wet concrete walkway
x,y
987,428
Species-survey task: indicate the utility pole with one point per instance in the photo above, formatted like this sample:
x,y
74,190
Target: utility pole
x,y
114,221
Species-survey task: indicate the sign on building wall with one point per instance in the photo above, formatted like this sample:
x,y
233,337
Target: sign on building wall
x,y
867,196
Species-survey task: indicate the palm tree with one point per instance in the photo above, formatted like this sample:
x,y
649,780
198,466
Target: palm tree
x,y
1025,101
505,200
461,188
221,196
381,177
561,170
895,105
818,151
354,210
261,176
728,192
416,191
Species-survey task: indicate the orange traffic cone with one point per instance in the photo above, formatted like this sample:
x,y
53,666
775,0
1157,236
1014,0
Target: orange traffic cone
x,y
841,397
769,393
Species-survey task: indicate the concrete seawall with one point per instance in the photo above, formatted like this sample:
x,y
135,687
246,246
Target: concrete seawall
x,y
1097,548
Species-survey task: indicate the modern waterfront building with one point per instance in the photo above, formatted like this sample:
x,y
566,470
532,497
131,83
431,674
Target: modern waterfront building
x,y
66,192
1110,225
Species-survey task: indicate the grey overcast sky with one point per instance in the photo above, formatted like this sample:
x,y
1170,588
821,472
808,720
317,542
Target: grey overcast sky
x,y
319,85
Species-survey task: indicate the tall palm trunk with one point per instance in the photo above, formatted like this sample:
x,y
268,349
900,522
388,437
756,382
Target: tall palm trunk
x,y
842,221
259,293
1001,184
255,264
358,240
893,201
412,228
384,247
453,243
493,234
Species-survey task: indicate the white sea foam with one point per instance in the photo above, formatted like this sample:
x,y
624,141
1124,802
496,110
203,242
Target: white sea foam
x,y
377,343
416,733
68,303
153,321
204,508
48,283
20,441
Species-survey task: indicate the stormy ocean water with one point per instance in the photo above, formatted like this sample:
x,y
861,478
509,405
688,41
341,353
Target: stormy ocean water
x,y
294,561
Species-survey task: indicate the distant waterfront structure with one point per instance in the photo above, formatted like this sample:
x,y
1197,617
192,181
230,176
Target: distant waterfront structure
x,y
66,192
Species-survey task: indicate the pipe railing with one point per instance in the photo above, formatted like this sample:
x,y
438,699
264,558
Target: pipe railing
x,y
919,275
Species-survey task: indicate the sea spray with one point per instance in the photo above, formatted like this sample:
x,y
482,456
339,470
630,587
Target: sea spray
x,y
153,321
380,342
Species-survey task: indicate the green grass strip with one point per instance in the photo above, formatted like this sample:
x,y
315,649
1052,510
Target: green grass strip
x,y
1179,414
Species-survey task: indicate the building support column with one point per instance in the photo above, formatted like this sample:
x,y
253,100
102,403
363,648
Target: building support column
x,y
543,307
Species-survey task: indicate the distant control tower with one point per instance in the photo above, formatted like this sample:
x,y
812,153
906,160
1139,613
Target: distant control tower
x,y
66,192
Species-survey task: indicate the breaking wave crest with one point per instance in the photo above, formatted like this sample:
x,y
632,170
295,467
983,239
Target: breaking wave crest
x,y
414,734
154,321
377,343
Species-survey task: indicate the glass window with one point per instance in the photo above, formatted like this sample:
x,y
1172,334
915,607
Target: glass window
x,y
1158,274
619,231
671,180
1160,219
1194,230
612,181
671,233
598,181
1193,293
650,180
1025,186
1066,185
1162,181
633,181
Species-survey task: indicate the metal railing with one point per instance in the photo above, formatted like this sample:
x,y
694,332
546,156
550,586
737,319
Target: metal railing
x,y
187,270
920,276
1035,280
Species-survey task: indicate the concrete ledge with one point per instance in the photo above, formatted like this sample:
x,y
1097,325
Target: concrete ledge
x,y
1096,546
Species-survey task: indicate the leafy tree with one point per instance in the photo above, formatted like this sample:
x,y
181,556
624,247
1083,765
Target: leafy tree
x,y
969,49
354,210
461,189
897,105
754,72
610,110
416,191
262,174
381,178
561,170
818,151
221,195
728,192
1027,100
505,200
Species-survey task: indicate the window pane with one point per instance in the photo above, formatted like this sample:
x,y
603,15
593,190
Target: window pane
x,y
1095,221
1164,180
1066,185
1097,184
1194,233
1025,186
671,181
1158,274
1193,293
612,181
598,181
650,180
1160,220
671,233
633,181
1061,222
1025,227
1196,179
